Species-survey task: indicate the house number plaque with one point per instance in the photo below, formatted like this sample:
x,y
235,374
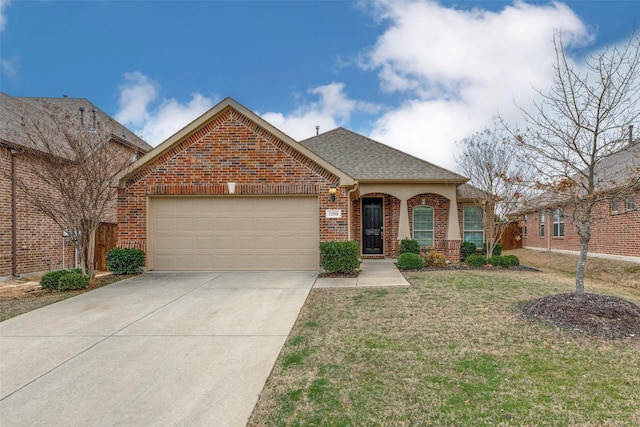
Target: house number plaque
x,y
333,213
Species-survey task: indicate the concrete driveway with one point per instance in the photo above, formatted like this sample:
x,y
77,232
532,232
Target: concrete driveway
x,y
158,349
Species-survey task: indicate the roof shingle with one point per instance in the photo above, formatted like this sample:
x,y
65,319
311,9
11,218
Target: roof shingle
x,y
365,159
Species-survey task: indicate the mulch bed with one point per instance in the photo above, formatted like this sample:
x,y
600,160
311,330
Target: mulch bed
x,y
339,275
597,315
484,268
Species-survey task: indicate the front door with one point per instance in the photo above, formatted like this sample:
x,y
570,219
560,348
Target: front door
x,y
372,226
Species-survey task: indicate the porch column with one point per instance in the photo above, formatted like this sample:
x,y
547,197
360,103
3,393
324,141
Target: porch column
x,y
403,221
453,231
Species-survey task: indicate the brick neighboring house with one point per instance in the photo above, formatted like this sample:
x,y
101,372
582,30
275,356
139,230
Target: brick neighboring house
x,y
547,224
30,242
230,191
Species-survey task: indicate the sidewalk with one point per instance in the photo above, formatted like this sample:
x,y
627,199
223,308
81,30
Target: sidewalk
x,y
374,272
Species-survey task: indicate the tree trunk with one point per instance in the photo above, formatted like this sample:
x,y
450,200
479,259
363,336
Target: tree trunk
x,y
91,254
582,261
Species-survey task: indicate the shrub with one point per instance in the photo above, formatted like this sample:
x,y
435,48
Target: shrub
x,y
60,280
73,280
340,257
409,246
497,250
435,259
125,261
50,280
497,261
476,260
410,261
512,260
467,248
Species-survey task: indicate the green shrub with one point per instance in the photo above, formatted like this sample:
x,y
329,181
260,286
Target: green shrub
x,y
125,261
498,261
435,259
467,248
476,260
497,250
340,257
409,246
512,260
50,280
73,280
60,280
410,261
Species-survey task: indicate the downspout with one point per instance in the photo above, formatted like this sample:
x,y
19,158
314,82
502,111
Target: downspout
x,y
14,217
355,187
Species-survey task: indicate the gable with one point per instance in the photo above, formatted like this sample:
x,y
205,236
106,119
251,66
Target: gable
x,y
235,142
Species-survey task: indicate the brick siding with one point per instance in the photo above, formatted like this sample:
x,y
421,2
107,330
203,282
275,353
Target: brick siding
x,y
230,148
612,234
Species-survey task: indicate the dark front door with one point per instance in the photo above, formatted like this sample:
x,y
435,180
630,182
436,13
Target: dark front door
x,y
372,226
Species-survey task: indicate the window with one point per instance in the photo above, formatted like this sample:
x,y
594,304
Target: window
x,y
558,223
631,204
472,225
524,227
423,225
541,224
614,204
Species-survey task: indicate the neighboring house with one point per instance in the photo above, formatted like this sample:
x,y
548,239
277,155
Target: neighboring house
x,y
231,192
547,221
30,242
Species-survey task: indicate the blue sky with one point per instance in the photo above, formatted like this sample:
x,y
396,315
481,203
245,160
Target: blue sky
x,y
415,75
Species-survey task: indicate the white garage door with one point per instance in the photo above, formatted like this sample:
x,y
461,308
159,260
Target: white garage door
x,y
233,233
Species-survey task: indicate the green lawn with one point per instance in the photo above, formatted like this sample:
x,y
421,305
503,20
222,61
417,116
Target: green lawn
x,y
449,350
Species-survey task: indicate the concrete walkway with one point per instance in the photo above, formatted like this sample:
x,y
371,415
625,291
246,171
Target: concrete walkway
x,y
159,349
374,272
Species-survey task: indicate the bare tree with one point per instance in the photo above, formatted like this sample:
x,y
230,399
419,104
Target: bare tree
x,y
74,169
487,159
576,128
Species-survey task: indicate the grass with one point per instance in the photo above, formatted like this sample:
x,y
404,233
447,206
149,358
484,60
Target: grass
x,y
14,302
452,350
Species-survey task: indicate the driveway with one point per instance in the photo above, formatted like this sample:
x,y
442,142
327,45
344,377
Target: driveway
x,y
158,349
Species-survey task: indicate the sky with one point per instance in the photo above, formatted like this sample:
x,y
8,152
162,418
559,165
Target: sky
x,y
415,75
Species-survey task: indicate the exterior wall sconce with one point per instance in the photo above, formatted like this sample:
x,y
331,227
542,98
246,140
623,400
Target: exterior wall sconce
x,y
333,190
232,187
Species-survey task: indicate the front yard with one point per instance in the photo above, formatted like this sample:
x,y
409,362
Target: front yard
x,y
453,350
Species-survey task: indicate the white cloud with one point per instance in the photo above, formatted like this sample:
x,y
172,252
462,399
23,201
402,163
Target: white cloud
x,y
457,69
152,119
331,110
3,17
7,68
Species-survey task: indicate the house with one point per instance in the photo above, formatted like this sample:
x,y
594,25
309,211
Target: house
x,y
547,220
230,191
30,242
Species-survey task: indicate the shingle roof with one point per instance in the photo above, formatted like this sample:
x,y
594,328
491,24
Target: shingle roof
x,y
50,113
366,159
613,172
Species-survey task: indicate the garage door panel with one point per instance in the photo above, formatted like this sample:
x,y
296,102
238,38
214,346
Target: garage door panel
x,y
231,233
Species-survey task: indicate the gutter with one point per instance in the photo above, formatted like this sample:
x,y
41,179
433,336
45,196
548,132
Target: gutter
x,y
14,217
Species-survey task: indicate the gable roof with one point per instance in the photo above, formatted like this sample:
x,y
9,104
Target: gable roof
x,y
211,115
369,160
52,113
612,173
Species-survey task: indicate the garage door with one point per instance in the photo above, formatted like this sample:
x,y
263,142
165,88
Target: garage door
x,y
233,233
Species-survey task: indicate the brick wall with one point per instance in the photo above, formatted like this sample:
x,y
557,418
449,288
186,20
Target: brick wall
x,y
391,209
39,239
230,148
613,234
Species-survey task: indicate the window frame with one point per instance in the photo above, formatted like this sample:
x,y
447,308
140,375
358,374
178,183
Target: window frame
x,y
419,208
615,204
558,223
542,220
473,230
630,203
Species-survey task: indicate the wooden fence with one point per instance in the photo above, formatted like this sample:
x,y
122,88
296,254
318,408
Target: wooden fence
x,y
106,239
512,236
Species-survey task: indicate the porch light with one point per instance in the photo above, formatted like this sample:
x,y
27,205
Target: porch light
x,y
333,190
232,187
